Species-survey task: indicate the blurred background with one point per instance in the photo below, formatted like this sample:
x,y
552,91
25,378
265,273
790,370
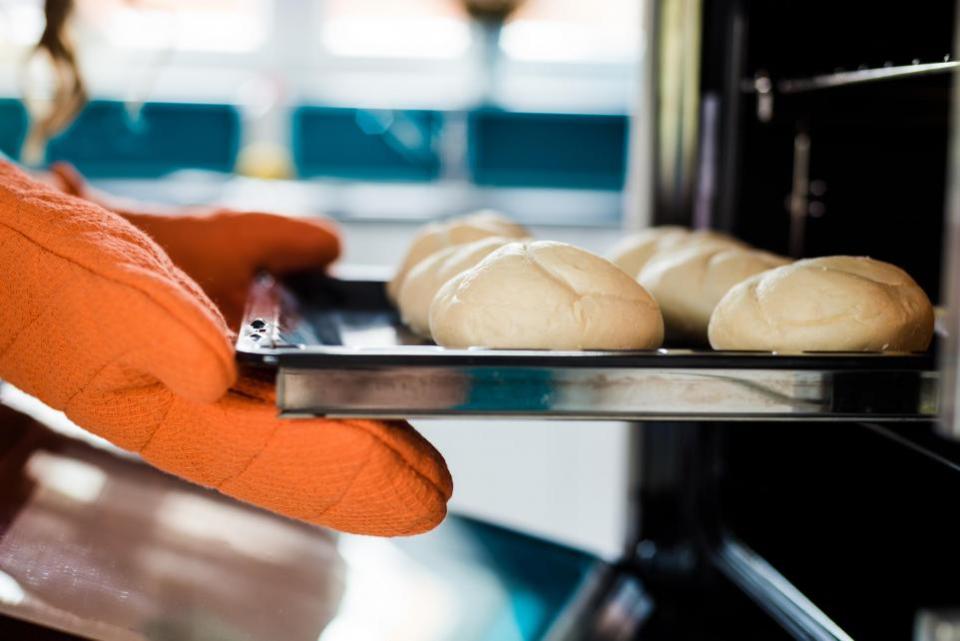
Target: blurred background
x,y
808,128
492,93
382,114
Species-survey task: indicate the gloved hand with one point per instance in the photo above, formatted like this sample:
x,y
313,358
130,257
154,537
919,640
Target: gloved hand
x,y
96,320
220,249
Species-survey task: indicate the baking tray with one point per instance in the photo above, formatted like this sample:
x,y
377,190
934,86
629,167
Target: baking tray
x,y
339,349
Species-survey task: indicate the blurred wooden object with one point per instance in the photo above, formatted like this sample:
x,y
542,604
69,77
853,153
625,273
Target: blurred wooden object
x,y
491,10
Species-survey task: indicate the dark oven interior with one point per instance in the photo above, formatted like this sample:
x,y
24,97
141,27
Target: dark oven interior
x,y
813,149
818,128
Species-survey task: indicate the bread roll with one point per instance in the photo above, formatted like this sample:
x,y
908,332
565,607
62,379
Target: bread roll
x,y
545,295
633,252
430,274
457,231
836,303
689,282
705,237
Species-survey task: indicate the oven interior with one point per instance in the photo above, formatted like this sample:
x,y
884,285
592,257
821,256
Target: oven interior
x,y
807,128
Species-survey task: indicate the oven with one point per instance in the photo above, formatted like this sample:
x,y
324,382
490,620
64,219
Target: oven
x,y
805,128
799,497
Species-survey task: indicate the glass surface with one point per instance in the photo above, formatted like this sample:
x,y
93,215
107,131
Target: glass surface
x,y
108,548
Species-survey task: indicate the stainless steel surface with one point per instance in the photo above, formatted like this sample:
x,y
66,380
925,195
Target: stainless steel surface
x,y
763,87
949,425
613,606
775,594
676,45
606,394
638,191
341,350
937,625
858,76
799,195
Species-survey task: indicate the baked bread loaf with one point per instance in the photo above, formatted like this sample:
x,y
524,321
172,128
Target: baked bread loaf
x,y
429,275
835,303
689,282
632,253
545,295
457,231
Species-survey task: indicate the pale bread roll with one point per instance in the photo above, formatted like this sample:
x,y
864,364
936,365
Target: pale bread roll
x,y
545,295
689,282
631,253
456,231
634,251
704,237
429,275
835,303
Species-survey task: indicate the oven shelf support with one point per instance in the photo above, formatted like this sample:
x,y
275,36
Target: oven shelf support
x,y
762,84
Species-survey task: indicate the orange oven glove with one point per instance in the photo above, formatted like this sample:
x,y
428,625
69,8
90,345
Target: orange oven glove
x,y
97,321
219,249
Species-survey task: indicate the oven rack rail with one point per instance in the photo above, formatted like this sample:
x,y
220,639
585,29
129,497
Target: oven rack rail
x,y
337,348
600,394
763,84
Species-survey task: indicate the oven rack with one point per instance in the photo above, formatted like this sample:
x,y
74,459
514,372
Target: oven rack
x,y
337,348
763,84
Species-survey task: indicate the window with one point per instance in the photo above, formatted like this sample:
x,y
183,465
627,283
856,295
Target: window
x,y
554,55
573,31
540,30
395,28
185,25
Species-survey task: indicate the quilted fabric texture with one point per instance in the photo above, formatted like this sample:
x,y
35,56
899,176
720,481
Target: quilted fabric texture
x,y
99,322
220,249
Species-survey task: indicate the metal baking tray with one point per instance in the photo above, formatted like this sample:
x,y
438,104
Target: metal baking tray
x,y
339,349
